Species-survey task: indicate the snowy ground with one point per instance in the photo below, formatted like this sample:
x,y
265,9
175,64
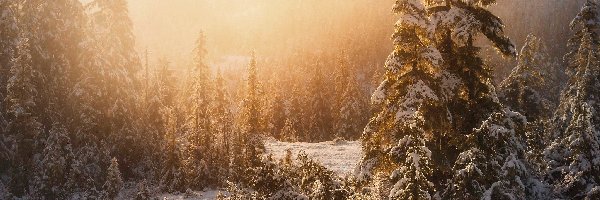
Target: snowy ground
x,y
340,156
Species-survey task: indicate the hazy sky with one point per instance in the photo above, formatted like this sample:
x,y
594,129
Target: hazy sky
x,y
235,27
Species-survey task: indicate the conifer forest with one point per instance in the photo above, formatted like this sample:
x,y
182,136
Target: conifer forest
x,y
300,99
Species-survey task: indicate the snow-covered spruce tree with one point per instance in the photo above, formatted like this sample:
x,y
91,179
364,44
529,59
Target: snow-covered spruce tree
x,y
88,169
292,130
584,40
8,38
457,23
414,161
116,47
251,129
351,120
114,182
520,90
317,181
341,75
474,109
320,121
270,181
166,81
222,126
411,106
172,177
573,157
52,171
276,114
288,132
142,191
199,134
24,130
54,58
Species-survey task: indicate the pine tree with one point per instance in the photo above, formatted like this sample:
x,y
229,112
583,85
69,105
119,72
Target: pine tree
x,y
8,38
201,99
410,102
414,160
142,191
116,47
200,135
472,98
251,129
55,60
88,169
172,177
288,132
320,121
276,114
114,183
520,90
222,124
573,155
341,80
24,129
351,120
583,47
51,180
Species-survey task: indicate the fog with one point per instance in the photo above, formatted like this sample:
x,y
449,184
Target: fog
x,y
278,29
272,28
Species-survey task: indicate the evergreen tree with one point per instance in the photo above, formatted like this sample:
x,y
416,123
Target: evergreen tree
x,y
24,130
222,125
114,183
276,114
520,90
414,160
116,47
251,129
88,169
55,59
288,132
341,80
200,135
172,177
8,38
583,49
573,155
410,102
52,171
351,120
320,121
142,192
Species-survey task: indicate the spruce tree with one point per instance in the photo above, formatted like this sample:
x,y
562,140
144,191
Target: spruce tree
x,y
54,58
572,157
341,79
320,121
172,177
251,129
222,124
116,47
114,182
201,98
52,171
411,106
276,114
200,134
24,130
414,160
351,120
8,38
520,91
